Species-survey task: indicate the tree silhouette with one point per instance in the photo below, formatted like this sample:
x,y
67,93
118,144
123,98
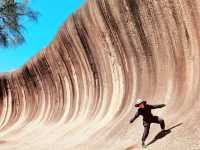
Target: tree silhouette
x,y
11,15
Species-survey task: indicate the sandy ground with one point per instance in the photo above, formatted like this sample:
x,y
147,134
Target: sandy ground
x,y
78,93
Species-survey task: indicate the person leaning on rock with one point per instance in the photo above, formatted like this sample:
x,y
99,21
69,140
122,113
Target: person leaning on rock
x,y
144,110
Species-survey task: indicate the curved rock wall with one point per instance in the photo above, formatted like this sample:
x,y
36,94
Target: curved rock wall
x,y
79,92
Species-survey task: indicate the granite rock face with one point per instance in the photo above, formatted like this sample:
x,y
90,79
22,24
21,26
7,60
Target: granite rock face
x,y
79,91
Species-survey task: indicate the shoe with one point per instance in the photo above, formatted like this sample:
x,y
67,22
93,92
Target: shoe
x,y
163,130
143,145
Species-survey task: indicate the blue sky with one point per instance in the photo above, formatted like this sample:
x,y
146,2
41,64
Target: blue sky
x,y
38,35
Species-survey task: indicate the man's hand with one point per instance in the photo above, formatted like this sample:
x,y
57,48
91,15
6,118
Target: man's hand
x,y
157,106
136,115
131,121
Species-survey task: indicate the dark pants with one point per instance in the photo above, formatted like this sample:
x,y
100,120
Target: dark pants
x,y
147,126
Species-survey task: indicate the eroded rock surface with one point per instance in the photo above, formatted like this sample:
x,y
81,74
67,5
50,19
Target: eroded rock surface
x,y
79,92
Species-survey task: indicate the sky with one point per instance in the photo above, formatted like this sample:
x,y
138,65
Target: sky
x,y
52,15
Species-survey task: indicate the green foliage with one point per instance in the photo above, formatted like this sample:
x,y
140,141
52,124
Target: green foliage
x,y
11,15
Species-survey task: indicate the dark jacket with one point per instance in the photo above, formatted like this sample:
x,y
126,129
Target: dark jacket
x,y
146,113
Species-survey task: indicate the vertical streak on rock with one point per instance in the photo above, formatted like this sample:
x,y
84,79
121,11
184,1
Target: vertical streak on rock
x,y
79,91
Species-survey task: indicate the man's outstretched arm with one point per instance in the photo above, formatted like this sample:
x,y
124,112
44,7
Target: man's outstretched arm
x,y
157,106
135,117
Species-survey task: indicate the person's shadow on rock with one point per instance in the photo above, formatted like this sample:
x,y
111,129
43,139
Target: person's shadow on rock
x,y
162,134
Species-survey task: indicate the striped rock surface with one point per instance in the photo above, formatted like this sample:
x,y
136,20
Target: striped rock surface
x,y
78,93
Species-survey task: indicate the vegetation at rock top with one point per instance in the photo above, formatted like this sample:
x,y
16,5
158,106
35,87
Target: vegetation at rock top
x,y
12,14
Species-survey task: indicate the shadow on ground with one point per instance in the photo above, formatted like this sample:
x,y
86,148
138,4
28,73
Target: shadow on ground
x,y
162,134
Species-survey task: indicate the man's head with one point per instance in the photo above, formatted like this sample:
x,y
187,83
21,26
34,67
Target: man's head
x,y
140,103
